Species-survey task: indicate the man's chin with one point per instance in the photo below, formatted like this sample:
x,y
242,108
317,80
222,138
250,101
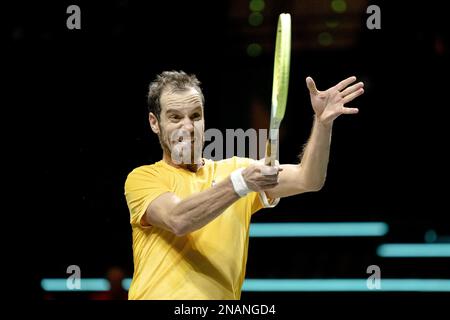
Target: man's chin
x,y
192,166
194,156
191,162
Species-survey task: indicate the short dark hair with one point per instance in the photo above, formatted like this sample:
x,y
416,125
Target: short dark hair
x,y
177,80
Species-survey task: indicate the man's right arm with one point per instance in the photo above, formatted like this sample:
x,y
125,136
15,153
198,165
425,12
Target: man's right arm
x,y
171,213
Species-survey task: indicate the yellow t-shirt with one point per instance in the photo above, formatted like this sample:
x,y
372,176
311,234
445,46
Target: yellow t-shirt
x,y
208,263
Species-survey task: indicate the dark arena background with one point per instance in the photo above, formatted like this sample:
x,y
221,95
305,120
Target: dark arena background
x,y
80,97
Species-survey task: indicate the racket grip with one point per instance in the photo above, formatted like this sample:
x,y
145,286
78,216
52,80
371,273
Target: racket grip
x,y
271,152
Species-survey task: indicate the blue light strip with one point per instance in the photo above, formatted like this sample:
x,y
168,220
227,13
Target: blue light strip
x,y
285,285
348,285
92,284
421,250
316,229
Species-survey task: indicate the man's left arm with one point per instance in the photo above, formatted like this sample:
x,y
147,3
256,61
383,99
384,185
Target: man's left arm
x,y
310,173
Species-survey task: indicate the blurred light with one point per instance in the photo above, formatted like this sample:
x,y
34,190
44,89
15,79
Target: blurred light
x,y
126,283
331,23
254,49
429,285
93,284
421,250
319,229
257,5
255,19
339,6
430,236
325,39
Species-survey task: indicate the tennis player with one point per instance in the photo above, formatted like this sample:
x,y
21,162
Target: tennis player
x,y
190,216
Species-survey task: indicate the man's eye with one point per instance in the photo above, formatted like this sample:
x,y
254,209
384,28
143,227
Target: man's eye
x,y
174,117
196,116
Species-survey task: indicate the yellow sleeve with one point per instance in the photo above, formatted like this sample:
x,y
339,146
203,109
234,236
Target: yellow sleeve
x,y
143,185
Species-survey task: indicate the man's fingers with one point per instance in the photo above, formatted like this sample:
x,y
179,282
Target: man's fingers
x,y
352,96
344,83
352,89
270,186
269,170
350,110
311,86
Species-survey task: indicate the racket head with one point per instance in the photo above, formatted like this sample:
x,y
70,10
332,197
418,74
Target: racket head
x,y
281,69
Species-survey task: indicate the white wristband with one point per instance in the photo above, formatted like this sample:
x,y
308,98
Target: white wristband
x,y
239,185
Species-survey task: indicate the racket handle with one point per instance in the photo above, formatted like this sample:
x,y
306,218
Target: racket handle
x,y
271,152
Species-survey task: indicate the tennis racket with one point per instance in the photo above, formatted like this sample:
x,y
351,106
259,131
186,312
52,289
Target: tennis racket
x,y
280,85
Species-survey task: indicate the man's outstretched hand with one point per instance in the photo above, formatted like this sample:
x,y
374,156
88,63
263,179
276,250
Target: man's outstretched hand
x,y
329,104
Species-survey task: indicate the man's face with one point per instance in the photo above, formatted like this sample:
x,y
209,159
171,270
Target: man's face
x,y
182,125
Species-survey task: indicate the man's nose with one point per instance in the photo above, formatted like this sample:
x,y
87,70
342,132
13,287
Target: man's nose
x,y
188,124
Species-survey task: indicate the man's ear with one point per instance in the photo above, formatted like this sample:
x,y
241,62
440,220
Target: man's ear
x,y
154,124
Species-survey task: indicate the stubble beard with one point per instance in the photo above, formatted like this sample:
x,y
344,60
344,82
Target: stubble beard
x,y
195,160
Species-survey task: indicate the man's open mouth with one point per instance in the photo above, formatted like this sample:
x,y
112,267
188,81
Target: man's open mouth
x,y
181,139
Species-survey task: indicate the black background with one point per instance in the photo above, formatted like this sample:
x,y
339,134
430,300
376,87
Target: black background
x,y
78,100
